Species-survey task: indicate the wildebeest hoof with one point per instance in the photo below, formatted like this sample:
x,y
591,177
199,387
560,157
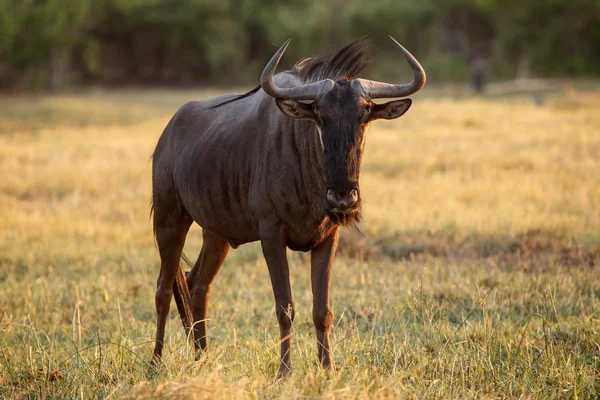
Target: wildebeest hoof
x,y
283,372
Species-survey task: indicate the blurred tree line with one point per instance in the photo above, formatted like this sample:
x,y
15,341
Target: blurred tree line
x,y
58,43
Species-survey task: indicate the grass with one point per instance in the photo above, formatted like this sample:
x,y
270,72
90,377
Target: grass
x,y
476,277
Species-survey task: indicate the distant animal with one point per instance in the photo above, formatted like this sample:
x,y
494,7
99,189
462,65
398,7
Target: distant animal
x,y
279,164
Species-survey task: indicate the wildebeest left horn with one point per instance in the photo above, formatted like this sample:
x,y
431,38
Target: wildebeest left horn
x,y
309,91
380,90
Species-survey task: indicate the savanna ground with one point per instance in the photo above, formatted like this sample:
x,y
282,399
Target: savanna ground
x,y
476,275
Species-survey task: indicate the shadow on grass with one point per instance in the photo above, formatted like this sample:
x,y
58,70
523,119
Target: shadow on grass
x,y
537,247
532,249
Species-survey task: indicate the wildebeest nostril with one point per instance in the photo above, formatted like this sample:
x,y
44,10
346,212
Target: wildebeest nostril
x,y
342,200
331,197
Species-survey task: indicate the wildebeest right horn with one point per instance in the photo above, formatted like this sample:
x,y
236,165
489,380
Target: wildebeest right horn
x,y
309,91
381,90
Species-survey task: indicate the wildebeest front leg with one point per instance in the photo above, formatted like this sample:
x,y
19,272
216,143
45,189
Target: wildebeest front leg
x,y
273,245
321,260
213,253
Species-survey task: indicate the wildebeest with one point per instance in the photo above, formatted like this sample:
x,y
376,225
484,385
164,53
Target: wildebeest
x,y
279,164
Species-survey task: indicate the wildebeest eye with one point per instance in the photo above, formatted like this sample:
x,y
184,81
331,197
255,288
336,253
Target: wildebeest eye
x,y
363,115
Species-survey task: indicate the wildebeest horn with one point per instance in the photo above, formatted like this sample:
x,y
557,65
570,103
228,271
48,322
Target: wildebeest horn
x,y
379,90
304,92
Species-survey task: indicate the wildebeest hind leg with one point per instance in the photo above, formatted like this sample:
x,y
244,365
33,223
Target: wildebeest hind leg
x,y
171,228
199,279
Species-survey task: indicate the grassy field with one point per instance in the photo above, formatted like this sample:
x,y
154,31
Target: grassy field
x,y
476,275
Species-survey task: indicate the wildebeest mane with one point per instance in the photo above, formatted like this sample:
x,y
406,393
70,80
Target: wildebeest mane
x,y
348,63
237,97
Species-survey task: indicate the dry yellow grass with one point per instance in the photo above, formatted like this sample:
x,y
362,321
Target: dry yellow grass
x,y
477,275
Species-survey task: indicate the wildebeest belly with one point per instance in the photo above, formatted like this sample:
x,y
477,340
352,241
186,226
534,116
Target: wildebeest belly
x,y
213,187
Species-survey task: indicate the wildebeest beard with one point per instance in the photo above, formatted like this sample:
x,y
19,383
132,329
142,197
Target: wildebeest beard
x,y
348,218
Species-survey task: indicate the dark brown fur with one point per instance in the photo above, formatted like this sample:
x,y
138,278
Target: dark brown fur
x,y
242,169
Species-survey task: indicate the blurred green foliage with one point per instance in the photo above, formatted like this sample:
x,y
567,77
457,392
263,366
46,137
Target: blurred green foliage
x,y
57,43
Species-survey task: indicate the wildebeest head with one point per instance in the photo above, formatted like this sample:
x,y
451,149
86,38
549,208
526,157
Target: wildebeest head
x,y
342,109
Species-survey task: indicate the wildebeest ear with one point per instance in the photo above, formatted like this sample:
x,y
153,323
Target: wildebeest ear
x,y
391,109
295,109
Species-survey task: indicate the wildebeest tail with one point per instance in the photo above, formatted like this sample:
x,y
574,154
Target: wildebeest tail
x,y
181,293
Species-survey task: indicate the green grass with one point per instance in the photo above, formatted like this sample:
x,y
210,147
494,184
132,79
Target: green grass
x,y
476,276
